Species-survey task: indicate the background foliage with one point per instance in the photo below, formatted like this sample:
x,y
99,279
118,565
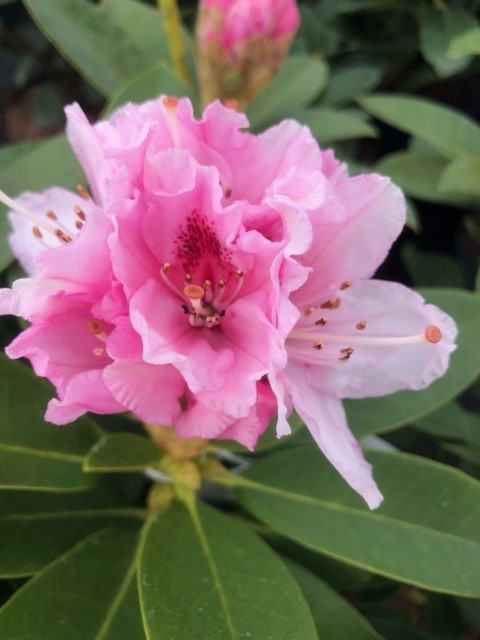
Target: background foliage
x,y
284,550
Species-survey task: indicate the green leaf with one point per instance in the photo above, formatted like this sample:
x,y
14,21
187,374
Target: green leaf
x,y
451,422
35,529
107,43
202,576
446,129
334,618
462,176
418,173
464,44
349,82
122,452
35,455
299,81
428,537
382,414
394,630
328,125
431,269
87,593
438,31
148,85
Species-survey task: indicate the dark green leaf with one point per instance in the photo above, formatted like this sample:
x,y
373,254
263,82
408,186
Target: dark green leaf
x,y
148,85
451,422
35,455
87,593
202,576
299,81
462,176
446,129
122,452
465,44
108,44
439,30
393,630
35,529
431,269
382,414
426,532
334,618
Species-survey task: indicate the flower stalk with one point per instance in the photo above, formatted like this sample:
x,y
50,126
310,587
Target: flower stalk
x,y
173,29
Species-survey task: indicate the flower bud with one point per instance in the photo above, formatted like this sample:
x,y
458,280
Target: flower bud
x,y
241,45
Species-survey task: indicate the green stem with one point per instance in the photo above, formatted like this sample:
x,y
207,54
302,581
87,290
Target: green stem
x,y
173,29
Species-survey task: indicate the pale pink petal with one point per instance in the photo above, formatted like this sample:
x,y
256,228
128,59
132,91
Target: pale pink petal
x,y
85,392
325,418
389,310
24,243
151,392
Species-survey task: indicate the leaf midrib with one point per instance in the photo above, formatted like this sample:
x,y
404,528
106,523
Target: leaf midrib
x,y
83,513
40,453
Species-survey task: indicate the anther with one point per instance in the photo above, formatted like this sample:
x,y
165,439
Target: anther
x,y
361,325
347,352
51,214
83,192
187,278
78,211
207,284
239,274
79,224
95,326
63,237
220,284
318,345
321,323
331,304
433,334
166,268
185,309
308,312
345,285
228,193
98,351
37,233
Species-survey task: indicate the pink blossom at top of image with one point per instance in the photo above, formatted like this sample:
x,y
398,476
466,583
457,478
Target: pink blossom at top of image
x,y
214,279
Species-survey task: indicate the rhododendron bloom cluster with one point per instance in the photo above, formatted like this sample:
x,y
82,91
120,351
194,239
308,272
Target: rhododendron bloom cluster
x,y
241,45
214,279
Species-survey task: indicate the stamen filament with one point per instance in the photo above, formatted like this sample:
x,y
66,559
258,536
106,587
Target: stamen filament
x,y
431,334
39,222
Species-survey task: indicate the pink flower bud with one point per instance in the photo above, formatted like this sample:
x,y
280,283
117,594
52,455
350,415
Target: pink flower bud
x,y
241,45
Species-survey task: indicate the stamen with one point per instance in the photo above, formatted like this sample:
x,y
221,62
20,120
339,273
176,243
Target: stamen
x,y
187,278
79,224
51,214
98,351
228,193
318,345
240,278
361,325
321,323
345,285
62,236
347,352
308,312
170,103
334,303
37,233
83,192
14,206
78,211
432,334
164,273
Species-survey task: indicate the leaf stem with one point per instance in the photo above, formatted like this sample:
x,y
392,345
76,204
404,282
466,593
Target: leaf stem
x,y
173,29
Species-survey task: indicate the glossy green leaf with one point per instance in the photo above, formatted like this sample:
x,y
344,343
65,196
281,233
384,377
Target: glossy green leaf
x,y
446,129
36,455
35,529
122,452
328,125
462,176
107,43
438,31
202,576
87,593
465,44
148,85
418,174
431,269
451,422
395,630
334,618
426,532
349,82
299,81
382,414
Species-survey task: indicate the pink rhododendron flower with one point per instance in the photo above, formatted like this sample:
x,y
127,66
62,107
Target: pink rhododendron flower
x,y
216,278
241,45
